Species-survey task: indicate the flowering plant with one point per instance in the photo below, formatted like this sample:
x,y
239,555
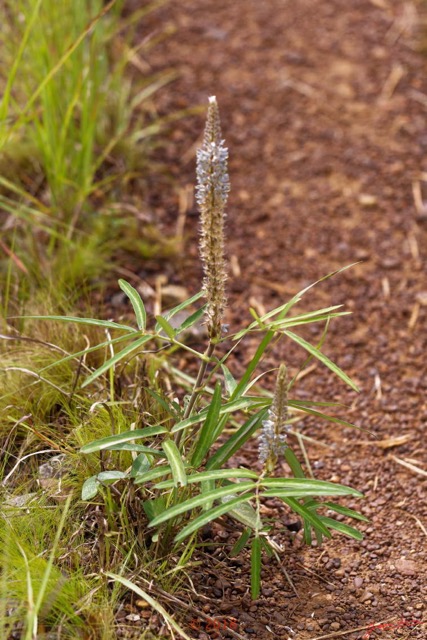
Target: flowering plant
x,y
180,471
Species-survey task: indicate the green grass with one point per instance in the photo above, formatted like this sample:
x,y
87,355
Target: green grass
x,y
76,127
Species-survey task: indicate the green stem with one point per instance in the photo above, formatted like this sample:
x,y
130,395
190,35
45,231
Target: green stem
x,y
197,386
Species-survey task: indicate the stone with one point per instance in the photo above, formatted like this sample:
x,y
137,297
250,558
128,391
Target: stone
x,y
406,567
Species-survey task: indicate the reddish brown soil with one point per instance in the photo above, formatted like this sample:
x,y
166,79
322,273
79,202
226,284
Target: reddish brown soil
x,y
324,110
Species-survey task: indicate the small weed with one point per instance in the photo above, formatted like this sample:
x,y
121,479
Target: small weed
x,y
157,457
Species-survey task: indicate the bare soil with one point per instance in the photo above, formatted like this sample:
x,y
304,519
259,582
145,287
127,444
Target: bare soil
x,y
324,110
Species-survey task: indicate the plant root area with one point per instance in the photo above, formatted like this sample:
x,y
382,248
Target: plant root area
x,y
324,112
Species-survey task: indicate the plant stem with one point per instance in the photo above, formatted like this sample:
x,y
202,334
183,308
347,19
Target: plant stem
x,y
199,379
197,386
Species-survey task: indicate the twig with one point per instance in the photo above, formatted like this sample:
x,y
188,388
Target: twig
x,y
336,634
410,466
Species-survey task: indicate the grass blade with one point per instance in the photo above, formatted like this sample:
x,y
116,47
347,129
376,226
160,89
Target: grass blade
x,y
153,603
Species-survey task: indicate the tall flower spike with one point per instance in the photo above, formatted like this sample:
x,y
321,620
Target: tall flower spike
x,y
211,194
272,439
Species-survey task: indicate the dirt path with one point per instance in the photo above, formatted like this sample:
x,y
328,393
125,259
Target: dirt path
x,y
324,110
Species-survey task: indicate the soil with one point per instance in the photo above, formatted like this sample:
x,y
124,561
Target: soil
x,y
324,111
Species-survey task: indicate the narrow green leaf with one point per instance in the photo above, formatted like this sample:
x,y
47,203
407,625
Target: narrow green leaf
x,y
192,319
148,476
175,460
183,305
240,543
255,568
90,488
324,359
202,499
83,352
111,476
242,385
283,310
294,463
280,325
235,405
235,442
219,474
126,436
98,323
205,487
116,358
323,416
345,511
140,448
205,438
162,402
230,381
153,603
136,302
345,529
208,516
308,516
166,326
302,487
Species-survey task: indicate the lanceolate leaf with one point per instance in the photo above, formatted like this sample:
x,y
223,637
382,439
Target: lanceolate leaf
x,y
255,568
166,326
345,529
229,407
176,463
116,358
324,359
106,324
241,542
126,436
169,314
302,487
208,516
235,442
308,516
191,319
219,474
201,499
205,438
136,302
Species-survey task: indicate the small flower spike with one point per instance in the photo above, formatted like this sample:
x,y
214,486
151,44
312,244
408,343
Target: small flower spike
x,y
211,194
272,440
